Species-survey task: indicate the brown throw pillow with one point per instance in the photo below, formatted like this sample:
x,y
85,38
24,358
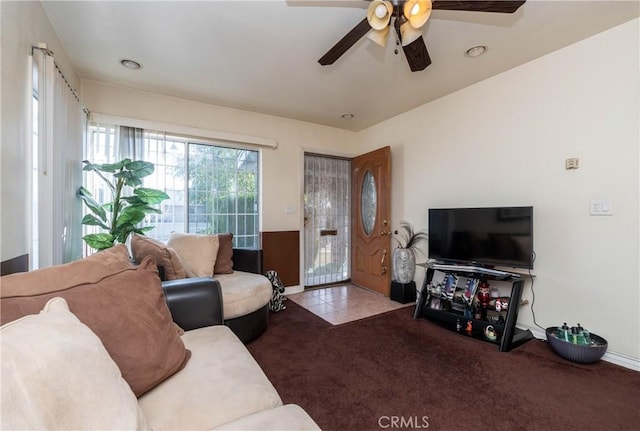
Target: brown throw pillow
x,y
224,261
128,312
166,257
91,269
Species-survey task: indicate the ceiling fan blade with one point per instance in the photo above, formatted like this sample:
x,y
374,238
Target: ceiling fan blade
x,y
417,55
345,43
479,6
415,52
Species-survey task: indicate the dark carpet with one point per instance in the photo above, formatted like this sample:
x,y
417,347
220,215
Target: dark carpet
x,y
392,372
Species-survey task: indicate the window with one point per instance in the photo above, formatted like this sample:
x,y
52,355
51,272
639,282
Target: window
x,y
35,238
212,188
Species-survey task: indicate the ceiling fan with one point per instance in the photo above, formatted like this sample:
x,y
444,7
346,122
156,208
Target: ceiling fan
x,y
407,18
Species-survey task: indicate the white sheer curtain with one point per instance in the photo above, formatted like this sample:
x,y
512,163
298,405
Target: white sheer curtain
x,y
61,124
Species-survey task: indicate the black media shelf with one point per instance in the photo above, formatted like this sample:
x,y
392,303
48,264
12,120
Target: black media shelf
x,y
507,336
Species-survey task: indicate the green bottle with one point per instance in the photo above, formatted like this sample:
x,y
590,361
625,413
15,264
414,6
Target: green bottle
x,y
574,335
563,332
586,336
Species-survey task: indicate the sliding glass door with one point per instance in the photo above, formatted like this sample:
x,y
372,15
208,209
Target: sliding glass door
x,y
212,188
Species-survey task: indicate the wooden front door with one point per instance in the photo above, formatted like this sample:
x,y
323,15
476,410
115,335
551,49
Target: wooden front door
x,y
371,220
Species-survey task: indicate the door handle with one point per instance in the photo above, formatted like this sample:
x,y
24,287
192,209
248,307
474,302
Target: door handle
x,y
383,267
385,232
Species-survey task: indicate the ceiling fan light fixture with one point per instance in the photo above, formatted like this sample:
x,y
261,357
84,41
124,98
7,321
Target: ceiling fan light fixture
x,y
476,51
379,14
417,12
379,36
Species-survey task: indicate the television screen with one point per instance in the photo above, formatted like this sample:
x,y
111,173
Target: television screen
x,y
482,236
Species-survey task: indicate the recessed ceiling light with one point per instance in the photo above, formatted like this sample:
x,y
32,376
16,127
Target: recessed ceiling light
x,y
476,51
347,116
130,64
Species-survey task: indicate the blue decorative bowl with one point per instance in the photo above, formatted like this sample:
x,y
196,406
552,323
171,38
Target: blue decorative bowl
x,y
576,352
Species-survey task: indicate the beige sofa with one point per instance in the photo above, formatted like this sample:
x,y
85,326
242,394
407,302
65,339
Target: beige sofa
x,y
106,351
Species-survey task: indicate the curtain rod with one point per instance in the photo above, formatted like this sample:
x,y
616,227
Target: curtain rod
x,y
96,117
43,47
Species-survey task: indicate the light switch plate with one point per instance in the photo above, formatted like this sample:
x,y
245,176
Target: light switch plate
x,y
600,207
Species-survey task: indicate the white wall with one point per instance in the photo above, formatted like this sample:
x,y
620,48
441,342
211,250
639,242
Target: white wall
x,y
23,25
504,142
281,168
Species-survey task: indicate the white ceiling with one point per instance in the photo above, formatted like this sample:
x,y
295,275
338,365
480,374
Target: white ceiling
x,y
262,56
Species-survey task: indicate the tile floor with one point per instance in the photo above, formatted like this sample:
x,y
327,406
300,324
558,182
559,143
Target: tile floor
x,y
344,303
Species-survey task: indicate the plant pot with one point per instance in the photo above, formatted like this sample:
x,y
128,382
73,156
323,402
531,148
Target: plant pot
x,y
404,265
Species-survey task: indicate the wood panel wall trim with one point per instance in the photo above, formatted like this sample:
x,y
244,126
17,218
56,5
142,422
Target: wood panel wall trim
x,y
281,253
17,264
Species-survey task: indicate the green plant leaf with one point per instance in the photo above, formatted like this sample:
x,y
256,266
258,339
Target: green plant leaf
x,y
144,208
99,241
133,200
91,220
92,204
124,232
130,215
105,167
129,178
144,230
151,196
88,166
140,169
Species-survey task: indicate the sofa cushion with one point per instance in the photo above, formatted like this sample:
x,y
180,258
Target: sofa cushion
x,y
56,374
244,293
91,269
224,259
143,246
197,252
221,383
290,417
127,311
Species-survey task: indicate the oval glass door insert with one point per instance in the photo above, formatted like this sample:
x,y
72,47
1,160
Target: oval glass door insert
x,y
368,202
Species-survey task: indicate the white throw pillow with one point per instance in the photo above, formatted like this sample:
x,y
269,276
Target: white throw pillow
x,y
197,252
56,374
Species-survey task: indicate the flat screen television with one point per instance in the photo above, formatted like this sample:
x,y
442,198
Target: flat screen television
x,y
484,237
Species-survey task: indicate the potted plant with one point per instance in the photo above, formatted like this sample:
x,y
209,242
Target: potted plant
x,y
404,256
120,216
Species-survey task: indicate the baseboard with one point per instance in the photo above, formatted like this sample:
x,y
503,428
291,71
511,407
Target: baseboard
x,y
289,290
612,357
